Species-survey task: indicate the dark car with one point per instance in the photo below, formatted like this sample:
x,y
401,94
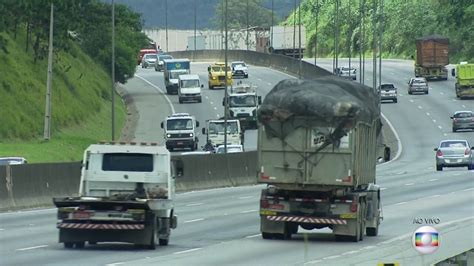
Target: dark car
x,y
463,120
388,92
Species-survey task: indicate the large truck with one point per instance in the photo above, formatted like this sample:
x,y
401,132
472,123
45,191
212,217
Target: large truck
x,y
432,57
464,74
180,131
171,70
215,132
126,194
317,154
243,104
283,40
216,76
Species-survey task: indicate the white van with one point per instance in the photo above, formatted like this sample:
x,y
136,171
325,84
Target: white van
x,y
189,88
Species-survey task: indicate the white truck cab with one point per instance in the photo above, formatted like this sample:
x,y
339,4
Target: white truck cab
x,y
180,131
215,132
189,88
243,104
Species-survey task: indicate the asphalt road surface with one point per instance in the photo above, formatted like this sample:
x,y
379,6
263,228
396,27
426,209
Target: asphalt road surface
x,y
221,226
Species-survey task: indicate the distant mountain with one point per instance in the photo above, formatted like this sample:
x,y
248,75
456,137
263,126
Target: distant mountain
x,y
181,12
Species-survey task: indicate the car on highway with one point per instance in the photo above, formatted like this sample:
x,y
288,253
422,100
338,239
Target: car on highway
x,y
12,160
230,148
463,120
159,64
418,85
387,92
454,153
149,60
346,72
239,68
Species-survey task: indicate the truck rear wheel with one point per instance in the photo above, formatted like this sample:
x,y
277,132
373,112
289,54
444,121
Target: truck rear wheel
x,y
80,244
163,241
68,244
152,244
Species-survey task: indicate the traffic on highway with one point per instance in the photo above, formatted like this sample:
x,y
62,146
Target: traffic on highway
x,y
260,154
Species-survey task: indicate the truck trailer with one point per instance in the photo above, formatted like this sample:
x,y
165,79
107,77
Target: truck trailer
x,y
432,57
126,194
317,156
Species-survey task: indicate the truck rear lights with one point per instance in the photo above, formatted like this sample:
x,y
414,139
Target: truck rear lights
x,y
354,206
264,204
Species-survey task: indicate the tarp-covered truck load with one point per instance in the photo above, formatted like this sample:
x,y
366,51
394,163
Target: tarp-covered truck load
x,y
432,55
317,155
319,132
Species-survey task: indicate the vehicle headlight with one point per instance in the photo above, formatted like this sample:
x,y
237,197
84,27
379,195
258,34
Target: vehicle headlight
x,y
191,134
168,135
214,77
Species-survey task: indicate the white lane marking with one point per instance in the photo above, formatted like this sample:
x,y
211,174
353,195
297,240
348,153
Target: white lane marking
x,y
187,251
194,204
434,120
1,229
399,142
368,247
400,203
246,197
434,179
312,262
445,134
218,115
458,174
259,79
349,252
332,257
29,248
252,236
463,106
469,189
442,93
195,220
206,97
27,212
269,83
383,188
160,90
248,211
419,107
401,173
428,114
215,108
434,196
412,101
409,184
212,103
440,127
116,263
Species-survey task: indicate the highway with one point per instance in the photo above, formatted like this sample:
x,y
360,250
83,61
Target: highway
x,y
221,226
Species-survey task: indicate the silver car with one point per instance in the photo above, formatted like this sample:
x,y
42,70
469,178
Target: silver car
x,y
149,60
418,85
454,153
388,92
463,120
346,72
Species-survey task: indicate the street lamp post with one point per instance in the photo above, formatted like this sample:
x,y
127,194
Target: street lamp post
x,y
113,70
166,23
226,93
195,19
49,81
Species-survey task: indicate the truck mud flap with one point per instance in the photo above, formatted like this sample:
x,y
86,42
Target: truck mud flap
x,y
311,220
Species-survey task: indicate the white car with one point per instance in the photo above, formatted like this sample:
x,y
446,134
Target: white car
x,y
12,160
346,72
230,149
239,68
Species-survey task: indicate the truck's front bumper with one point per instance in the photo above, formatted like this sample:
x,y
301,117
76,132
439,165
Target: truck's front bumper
x,y
179,143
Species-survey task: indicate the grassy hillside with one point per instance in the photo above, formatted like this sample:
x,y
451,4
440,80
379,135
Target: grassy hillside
x,y
80,103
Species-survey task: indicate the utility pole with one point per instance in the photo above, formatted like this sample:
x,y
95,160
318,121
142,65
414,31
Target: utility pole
x,y
381,24
316,33
247,40
195,21
294,30
374,45
226,93
349,17
49,81
113,70
299,39
166,23
337,33
271,28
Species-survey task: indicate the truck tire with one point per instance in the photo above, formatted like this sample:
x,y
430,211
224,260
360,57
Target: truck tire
x,y
163,241
80,244
266,235
439,168
152,244
68,244
372,231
